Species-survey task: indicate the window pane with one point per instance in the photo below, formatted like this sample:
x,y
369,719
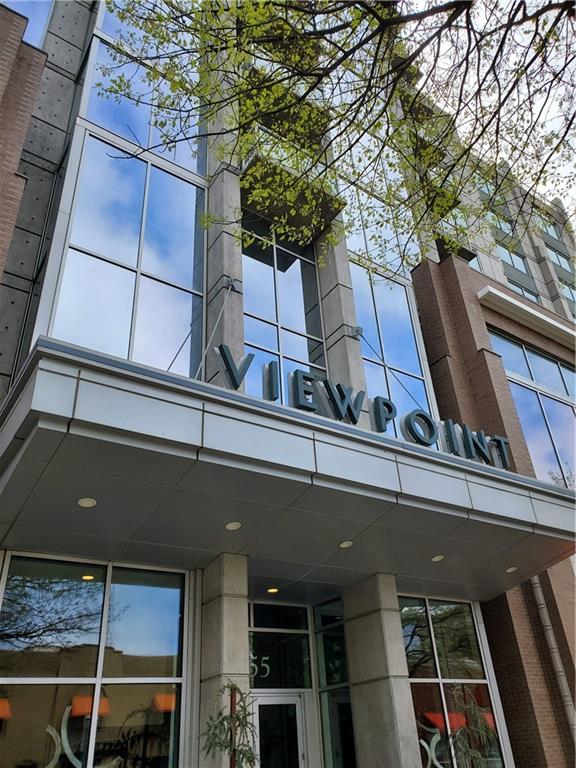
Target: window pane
x,y
398,337
337,729
173,239
302,348
473,726
431,725
121,115
168,331
298,294
37,715
260,333
331,647
109,199
417,639
140,721
365,312
144,624
561,420
407,393
280,616
545,371
253,383
536,434
375,380
94,307
50,618
258,281
455,636
512,354
279,660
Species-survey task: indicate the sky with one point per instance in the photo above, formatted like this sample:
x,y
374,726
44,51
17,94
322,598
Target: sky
x,y
37,13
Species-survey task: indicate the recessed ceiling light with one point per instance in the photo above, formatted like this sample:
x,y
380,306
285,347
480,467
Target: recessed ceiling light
x,y
87,577
437,558
272,590
86,502
346,544
234,525
512,569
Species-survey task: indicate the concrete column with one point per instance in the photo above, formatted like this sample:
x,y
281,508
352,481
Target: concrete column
x,y
343,352
382,710
225,641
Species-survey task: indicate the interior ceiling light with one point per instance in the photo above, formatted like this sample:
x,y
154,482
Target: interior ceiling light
x,y
346,544
272,590
233,525
87,577
86,502
512,569
437,558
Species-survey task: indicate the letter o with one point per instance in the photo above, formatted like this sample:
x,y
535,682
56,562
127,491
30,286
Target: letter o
x,y
418,427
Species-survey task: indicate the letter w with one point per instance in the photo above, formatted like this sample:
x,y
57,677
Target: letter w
x,y
341,400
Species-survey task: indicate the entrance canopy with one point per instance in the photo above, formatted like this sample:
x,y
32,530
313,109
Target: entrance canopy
x,y
170,462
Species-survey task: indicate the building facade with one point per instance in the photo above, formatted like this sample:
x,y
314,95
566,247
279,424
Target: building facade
x,y
195,493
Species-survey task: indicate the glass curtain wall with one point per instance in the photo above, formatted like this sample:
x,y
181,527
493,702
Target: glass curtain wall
x,y
393,362
543,390
91,661
450,691
282,322
132,280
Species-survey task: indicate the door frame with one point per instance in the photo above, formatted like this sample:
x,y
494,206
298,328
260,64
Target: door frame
x,y
283,697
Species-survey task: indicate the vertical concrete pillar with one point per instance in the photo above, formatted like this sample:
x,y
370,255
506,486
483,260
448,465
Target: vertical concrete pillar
x,y
343,352
225,642
382,710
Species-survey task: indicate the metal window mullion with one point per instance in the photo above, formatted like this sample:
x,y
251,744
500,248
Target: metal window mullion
x,y
99,667
139,261
284,396
186,634
440,682
4,574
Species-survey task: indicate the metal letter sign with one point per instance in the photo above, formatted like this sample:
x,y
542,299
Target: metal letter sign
x,y
416,426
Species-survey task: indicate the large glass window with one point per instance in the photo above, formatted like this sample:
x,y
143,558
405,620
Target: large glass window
x,y
393,364
137,119
132,279
560,259
452,703
120,631
281,308
512,258
543,392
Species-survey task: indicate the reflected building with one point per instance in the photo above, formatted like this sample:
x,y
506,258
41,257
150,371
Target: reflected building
x,y
175,518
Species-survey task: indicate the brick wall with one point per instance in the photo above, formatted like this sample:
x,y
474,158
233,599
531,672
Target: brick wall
x,y
471,387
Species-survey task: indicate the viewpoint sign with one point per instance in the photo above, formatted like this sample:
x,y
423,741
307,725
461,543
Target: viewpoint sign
x,y
340,402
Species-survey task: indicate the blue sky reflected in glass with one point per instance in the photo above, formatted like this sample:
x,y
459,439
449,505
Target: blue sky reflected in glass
x,y
302,348
95,304
260,333
109,200
398,337
513,358
289,367
37,13
546,371
407,393
298,294
375,380
169,237
258,281
562,425
536,433
569,379
164,319
365,313
122,116
145,624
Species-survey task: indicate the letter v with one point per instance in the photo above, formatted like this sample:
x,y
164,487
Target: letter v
x,y
235,374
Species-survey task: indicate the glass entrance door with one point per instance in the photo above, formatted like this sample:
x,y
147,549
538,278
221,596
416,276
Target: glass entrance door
x,y
279,725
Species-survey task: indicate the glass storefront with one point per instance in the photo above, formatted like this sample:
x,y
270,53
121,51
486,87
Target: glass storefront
x,y
454,712
90,665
